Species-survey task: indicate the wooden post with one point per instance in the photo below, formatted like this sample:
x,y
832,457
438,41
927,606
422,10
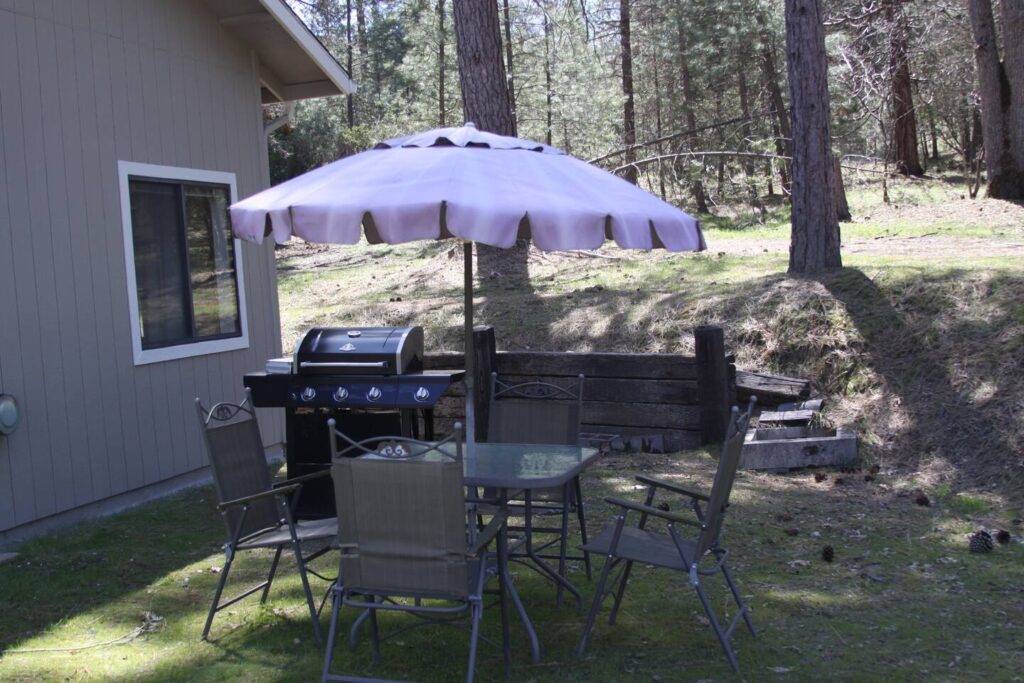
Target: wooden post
x,y
486,361
712,382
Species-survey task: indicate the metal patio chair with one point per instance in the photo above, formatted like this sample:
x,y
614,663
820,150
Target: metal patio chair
x,y
623,545
257,512
406,539
543,412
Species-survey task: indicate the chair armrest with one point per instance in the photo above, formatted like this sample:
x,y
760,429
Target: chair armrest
x,y
488,533
653,511
245,500
675,488
303,478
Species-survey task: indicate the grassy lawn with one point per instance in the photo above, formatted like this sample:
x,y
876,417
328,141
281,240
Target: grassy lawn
x,y
903,599
915,344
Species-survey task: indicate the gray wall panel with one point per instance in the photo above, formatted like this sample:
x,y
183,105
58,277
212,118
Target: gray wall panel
x,y
85,84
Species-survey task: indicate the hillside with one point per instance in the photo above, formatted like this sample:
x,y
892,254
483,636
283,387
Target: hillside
x,y
917,344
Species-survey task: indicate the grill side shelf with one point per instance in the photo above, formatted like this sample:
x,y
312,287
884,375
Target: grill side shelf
x,y
268,391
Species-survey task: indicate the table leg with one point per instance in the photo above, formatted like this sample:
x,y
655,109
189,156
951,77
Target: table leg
x,y
506,580
557,577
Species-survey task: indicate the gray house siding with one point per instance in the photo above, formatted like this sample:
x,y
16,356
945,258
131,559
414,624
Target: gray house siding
x,y
84,84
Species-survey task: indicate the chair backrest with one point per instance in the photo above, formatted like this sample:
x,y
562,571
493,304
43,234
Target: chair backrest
x,y
239,463
535,412
725,475
402,522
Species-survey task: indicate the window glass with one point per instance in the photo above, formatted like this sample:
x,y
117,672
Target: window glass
x,y
184,262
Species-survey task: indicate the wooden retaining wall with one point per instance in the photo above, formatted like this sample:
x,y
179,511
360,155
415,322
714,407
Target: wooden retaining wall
x,y
655,402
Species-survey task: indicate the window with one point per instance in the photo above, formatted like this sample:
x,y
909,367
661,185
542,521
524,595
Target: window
x,y
185,286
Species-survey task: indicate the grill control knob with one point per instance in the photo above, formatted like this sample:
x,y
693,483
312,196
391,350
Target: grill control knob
x,y
373,394
422,394
340,394
308,394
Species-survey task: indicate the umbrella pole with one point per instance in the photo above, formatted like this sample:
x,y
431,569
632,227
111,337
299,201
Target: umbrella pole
x,y
470,352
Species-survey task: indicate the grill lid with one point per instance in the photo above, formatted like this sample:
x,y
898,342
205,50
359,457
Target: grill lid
x,y
360,351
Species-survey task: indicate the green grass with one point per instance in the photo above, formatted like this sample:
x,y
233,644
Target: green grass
x,y
903,600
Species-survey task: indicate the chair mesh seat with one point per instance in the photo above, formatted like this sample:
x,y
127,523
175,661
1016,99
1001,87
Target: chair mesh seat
x,y
311,530
641,545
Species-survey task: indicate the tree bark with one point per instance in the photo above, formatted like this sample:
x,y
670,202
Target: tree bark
x,y
350,98
904,129
510,68
657,125
486,102
548,92
485,97
814,244
783,134
996,82
440,64
839,191
699,196
628,108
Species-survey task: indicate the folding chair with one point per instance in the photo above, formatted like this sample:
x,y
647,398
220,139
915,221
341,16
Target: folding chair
x,y
543,412
257,513
407,536
623,545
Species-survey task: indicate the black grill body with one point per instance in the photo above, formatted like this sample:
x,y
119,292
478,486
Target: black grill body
x,y
375,388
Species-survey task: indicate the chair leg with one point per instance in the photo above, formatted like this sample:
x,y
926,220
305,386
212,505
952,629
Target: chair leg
x,y
270,576
714,623
595,606
581,515
230,557
297,547
563,541
506,639
375,634
332,632
620,591
476,612
739,601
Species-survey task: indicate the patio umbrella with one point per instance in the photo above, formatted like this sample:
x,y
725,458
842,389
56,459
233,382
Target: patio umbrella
x,y
470,185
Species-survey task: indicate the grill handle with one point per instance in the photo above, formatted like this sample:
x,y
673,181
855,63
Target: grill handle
x,y
345,364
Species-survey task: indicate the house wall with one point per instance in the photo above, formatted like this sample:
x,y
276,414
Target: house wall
x,y
83,84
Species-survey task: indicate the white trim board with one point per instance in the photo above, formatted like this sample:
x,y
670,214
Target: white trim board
x,y
310,45
125,169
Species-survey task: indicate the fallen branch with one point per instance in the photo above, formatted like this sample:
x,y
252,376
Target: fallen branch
x,y
150,623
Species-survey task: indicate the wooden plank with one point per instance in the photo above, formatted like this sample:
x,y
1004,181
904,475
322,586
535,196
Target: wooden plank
x,y
70,272
639,415
14,449
786,417
614,390
626,365
126,141
712,381
770,389
649,439
99,69
32,269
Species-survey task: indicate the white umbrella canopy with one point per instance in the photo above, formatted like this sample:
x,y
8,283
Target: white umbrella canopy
x,y
471,185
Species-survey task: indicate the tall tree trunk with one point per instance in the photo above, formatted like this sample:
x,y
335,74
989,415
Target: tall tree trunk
x,y
699,196
441,39
657,125
815,229
628,110
839,191
747,131
486,102
510,68
548,92
485,97
1012,17
904,129
350,98
996,82
361,35
783,134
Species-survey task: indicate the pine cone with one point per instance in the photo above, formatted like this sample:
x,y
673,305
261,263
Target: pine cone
x,y
869,477
981,542
921,499
828,554
791,531
820,477
1003,536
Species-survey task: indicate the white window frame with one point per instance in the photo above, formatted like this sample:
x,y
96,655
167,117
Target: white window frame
x,y
128,169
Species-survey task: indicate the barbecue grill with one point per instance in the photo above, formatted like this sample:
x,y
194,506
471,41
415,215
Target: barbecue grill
x,y
369,379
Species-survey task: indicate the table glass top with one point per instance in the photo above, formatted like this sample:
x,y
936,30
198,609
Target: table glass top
x,y
518,465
